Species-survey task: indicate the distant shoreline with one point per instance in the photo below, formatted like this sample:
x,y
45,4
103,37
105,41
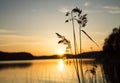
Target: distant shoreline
x,y
5,56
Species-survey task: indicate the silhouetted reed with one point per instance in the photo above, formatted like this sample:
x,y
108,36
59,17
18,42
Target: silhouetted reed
x,y
65,42
76,15
92,74
69,48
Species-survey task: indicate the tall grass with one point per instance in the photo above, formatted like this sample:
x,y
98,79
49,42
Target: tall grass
x,y
76,15
81,20
69,48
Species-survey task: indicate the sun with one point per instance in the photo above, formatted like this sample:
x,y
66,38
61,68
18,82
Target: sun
x,y
60,52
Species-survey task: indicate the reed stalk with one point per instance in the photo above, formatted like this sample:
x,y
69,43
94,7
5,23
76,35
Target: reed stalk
x,y
75,49
82,75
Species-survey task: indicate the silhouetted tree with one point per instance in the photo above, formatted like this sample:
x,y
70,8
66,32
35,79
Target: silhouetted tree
x,y
111,54
111,46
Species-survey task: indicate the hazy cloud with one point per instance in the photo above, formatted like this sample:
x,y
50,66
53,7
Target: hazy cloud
x,y
35,10
114,12
86,3
5,31
20,37
112,7
13,39
64,9
93,11
99,33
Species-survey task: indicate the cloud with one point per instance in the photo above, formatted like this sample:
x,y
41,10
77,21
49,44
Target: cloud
x,y
114,12
64,10
99,33
5,31
9,37
15,39
86,3
35,10
93,11
112,7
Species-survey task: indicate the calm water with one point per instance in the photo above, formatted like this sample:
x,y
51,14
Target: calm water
x,y
47,71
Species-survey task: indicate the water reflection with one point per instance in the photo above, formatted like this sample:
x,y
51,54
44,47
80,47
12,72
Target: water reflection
x,y
14,65
61,65
48,71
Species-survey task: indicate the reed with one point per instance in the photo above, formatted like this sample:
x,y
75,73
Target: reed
x,y
76,15
92,73
69,48
81,20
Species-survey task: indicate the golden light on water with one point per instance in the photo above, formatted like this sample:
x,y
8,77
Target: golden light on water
x,y
61,65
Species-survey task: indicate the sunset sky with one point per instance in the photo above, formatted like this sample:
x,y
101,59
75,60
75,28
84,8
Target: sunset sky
x,y
30,25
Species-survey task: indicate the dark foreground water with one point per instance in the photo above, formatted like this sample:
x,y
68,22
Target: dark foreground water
x,y
49,71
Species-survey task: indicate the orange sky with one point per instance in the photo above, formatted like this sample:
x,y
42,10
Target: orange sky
x,y
30,25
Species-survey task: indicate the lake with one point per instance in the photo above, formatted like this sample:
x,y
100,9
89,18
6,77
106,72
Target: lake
x,y
49,71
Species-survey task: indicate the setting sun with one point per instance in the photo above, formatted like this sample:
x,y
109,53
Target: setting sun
x,y
61,52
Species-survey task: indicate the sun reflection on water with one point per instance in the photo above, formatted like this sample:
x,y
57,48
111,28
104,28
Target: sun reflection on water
x,y
61,65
